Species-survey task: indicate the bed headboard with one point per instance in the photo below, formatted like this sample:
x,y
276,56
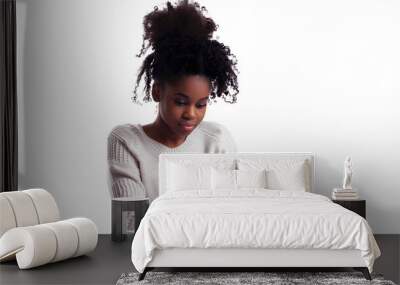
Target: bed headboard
x,y
214,158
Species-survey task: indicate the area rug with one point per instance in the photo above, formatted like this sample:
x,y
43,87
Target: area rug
x,y
269,278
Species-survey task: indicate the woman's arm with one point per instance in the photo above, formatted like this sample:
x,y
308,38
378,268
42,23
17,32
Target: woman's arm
x,y
124,170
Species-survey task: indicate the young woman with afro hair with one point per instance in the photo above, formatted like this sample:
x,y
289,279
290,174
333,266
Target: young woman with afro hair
x,y
186,71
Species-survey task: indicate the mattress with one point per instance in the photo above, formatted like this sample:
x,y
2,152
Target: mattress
x,y
251,219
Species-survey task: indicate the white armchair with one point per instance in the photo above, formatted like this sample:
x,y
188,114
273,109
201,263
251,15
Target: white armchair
x,y
32,233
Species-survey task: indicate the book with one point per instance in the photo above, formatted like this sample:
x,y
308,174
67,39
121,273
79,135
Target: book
x,y
338,197
345,194
128,222
345,198
341,190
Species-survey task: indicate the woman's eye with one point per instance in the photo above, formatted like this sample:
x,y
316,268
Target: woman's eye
x,y
201,105
180,103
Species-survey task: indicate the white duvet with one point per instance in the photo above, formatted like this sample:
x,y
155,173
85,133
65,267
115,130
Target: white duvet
x,y
250,218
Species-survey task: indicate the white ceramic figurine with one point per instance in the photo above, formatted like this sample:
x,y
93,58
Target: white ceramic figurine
x,y
348,172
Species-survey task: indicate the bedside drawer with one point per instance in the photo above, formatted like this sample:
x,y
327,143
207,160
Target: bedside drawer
x,y
357,206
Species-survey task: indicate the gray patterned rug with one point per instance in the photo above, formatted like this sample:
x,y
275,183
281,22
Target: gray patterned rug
x,y
270,278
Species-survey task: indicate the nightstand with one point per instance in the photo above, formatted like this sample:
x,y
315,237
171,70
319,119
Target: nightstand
x,y
357,206
126,214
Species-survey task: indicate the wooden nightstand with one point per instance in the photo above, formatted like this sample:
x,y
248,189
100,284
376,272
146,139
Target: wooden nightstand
x,y
357,206
120,207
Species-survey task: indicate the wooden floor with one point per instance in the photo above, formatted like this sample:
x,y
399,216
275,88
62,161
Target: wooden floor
x,y
111,259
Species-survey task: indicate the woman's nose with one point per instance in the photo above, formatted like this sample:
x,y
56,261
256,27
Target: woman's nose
x,y
190,112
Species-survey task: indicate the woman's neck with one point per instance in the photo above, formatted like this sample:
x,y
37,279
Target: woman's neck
x,y
160,131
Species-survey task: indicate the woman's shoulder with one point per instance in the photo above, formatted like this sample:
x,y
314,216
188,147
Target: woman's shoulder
x,y
125,132
212,129
218,134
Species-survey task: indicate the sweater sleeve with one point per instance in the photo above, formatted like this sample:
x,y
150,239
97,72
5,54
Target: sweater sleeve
x,y
124,170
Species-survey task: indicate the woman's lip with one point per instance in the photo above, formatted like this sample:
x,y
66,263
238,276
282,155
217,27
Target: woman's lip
x,y
187,126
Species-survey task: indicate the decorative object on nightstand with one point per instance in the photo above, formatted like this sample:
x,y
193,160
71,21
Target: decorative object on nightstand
x,y
346,192
126,214
348,173
357,206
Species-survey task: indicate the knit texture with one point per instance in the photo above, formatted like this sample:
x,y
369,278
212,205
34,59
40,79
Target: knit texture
x,y
133,156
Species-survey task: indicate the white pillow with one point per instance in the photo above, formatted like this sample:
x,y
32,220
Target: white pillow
x,y
223,179
229,179
184,177
251,178
282,174
288,179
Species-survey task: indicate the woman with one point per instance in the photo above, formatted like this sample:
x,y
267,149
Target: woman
x,y
188,70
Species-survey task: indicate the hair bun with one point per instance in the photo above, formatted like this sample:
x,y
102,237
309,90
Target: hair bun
x,y
181,38
183,22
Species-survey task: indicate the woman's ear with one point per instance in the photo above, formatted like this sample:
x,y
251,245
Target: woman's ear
x,y
156,92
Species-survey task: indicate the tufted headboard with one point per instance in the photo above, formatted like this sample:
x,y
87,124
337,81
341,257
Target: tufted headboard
x,y
230,159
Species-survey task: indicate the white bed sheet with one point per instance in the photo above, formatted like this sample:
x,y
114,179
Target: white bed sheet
x,y
250,218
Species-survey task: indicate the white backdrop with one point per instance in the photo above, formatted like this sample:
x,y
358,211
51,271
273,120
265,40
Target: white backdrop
x,y
319,76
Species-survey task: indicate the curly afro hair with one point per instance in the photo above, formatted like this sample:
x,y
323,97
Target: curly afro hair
x,y
181,41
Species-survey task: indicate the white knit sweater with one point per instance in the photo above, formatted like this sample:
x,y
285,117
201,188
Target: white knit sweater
x,y
133,156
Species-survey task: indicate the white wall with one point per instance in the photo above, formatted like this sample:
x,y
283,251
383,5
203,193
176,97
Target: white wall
x,y
320,76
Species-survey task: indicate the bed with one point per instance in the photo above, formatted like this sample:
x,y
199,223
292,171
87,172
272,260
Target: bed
x,y
246,210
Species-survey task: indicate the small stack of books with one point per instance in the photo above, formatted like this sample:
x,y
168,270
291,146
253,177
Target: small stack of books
x,y
344,194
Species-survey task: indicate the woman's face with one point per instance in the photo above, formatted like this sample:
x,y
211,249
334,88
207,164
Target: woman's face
x,y
182,105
